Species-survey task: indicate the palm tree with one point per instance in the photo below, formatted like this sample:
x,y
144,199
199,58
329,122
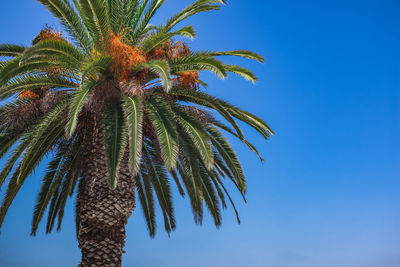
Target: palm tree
x,y
115,104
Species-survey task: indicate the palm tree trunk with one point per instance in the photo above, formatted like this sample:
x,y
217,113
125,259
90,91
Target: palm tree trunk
x,y
103,212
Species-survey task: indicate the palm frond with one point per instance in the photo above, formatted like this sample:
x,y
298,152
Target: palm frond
x,y
158,38
147,15
160,68
96,66
134,118
159,180
71,21
210,196
245,73
115,140
240,53
146,198
11,50
208,101
162,121
16,154
32,82
42,140
188,169
56,48
229,156
198,62
8,69
50,184
138,12
96,18
247,143
195,131
77,103
195,8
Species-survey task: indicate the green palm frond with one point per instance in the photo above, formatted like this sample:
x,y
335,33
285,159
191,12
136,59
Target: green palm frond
x,y
198,62
189,170
158,38
70,175
77,103
32,82
55,48
134,119
230,199
160,68
57,169
96,66
45,192
7,140
35,66
210,196
130,11
195,8
115,139
194,130
229,156
245,73
174,175
213,175
252,120
247,143
208,101
44,135
145,193
160,182
11,50
16,154
71,21
202,180
96,18
240,53
151,10
138,14
163,123
43,138
116,12
9,68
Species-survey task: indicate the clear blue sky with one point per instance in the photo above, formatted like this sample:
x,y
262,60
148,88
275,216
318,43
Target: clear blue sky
x,y
329,193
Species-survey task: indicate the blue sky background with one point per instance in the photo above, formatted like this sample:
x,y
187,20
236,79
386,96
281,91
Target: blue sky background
x,y
329,193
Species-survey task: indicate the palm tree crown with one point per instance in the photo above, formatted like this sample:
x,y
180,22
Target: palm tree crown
x,y
112,70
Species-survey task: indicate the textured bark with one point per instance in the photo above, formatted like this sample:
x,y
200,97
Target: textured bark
x,y
103,211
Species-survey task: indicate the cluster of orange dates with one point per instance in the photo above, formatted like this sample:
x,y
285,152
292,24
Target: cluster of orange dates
x,y
125,56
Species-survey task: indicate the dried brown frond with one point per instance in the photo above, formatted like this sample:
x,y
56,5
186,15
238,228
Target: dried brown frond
x,y
50,99
124,56
17,117
200,114
132,87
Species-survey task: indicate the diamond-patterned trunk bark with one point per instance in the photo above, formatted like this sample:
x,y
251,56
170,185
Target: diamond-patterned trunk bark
x,y
103,211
